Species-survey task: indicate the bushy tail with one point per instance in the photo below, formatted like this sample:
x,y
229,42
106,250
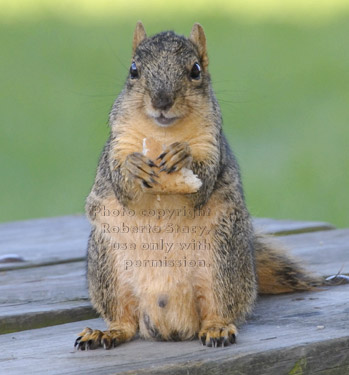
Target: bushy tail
x,y
278,272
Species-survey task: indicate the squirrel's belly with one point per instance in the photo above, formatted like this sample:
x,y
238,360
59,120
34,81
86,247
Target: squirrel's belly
x,y
162,250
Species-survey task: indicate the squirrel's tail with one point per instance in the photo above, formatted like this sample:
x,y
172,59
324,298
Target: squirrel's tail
x,y
278,272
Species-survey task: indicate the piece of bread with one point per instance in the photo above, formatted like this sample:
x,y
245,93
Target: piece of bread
x,y
182,182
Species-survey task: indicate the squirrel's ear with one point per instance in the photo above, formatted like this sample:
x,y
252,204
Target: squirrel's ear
x,y
197,36
138,35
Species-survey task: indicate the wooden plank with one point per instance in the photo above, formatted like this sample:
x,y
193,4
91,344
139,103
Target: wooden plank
x,y
44,241
63,239
58,293
39,297
287,334
326,253
44,315
51,284
285,227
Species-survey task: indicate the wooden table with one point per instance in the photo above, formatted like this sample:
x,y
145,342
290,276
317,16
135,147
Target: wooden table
x,y
44,304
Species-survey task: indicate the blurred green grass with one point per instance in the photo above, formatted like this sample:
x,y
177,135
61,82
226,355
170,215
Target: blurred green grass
x,y
283,87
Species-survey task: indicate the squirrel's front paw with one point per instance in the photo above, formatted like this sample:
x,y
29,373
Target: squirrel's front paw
x,y
217,335
139,168
175,157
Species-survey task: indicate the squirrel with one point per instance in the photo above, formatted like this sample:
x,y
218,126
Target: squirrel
x,y
170,264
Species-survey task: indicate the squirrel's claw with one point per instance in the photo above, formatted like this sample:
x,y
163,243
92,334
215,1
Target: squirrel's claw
x,y
92,339
88,339
108,341
161,156
77,341
151,163
140,168
175,157
218,336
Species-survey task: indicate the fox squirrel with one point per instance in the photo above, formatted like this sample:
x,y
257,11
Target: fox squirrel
x,y
172,253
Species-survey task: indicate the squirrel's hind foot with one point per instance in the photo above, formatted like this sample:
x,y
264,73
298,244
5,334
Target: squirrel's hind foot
x,y
217,335
90,339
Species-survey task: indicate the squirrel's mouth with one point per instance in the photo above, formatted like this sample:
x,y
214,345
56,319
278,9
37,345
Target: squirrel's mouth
x,y
165,121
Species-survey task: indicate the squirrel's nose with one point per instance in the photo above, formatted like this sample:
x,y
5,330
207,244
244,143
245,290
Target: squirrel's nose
x,y
162,102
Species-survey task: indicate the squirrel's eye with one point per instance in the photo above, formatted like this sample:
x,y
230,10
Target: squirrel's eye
x,y
133,70
195,72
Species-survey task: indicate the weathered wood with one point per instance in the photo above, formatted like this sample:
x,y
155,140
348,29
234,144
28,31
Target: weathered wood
x,y
44,241
289,334
326,253
63,239
39,297
41,315
285,227
58,293
50,284
286,334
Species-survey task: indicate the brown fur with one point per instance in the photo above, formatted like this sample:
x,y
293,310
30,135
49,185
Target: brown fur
x,y
174,293
278,272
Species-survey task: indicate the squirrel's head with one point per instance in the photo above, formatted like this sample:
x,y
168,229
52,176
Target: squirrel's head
x,y
168,77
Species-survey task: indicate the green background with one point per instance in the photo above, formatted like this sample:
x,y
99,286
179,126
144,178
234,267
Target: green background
x,y
280,75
